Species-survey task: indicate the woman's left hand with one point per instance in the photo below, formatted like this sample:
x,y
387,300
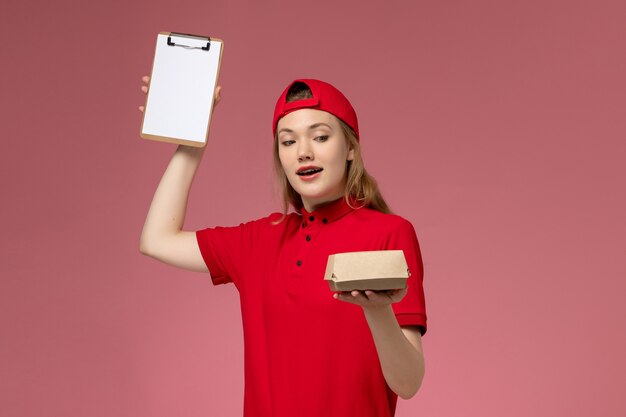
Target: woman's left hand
x,y
371,299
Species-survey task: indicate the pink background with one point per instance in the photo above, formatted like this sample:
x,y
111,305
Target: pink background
x,y
496,128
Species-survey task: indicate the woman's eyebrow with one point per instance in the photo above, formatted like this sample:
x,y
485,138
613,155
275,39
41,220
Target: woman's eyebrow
x,y
313,126
316,125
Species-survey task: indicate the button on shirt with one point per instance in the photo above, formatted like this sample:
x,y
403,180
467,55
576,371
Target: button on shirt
x,y
306,353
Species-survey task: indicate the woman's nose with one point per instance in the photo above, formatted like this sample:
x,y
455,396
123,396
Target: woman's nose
x,y
304,152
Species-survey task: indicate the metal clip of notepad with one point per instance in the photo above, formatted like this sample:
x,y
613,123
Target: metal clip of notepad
x,y
190,38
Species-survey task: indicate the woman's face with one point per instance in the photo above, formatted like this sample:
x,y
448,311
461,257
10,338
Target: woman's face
x,y
314,138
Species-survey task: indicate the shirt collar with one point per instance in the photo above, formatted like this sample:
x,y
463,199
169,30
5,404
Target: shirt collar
x,y
329,212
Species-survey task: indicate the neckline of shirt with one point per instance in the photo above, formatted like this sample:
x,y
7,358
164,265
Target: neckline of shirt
x,y
328,212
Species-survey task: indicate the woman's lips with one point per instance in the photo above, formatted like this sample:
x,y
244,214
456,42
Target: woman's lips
x,y
310,177
308,168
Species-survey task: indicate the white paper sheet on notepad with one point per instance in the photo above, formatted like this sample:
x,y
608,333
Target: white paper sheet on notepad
x,y
181,90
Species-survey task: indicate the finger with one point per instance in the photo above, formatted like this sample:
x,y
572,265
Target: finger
x,y
359,296
141,108
145,78
144,88
400,292
345,296
384,295
375,295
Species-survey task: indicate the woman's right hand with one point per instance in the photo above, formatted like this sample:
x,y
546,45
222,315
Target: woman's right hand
x,y
146,79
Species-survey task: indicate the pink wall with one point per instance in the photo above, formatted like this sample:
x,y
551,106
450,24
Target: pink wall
x,y
497,128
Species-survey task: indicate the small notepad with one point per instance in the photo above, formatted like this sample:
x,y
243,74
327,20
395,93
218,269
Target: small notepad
x,y
179,102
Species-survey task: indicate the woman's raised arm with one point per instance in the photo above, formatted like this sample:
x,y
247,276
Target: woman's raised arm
x,y
162,237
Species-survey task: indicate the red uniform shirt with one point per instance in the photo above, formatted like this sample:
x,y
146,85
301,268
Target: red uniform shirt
x,y
306,353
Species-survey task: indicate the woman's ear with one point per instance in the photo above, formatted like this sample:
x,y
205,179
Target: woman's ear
x,y
351,154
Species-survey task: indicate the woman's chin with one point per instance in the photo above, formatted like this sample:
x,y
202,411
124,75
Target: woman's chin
x,y
314,191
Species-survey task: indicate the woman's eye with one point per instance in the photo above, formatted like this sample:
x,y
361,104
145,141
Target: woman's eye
x,y
324,138
287,142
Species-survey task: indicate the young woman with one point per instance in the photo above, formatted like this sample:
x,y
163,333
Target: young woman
x,y
308,352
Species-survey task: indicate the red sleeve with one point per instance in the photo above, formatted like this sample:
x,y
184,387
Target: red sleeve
x,y
411,310
227,251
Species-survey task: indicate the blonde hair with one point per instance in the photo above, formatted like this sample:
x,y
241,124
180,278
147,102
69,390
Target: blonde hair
x,y
361,187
